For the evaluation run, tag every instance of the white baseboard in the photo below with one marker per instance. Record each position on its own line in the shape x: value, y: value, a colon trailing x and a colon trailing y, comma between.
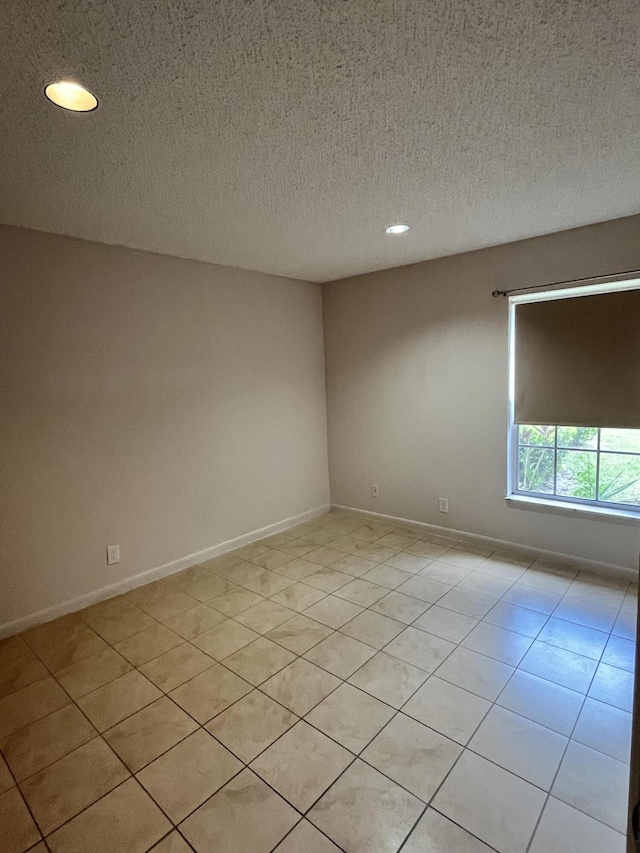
x: 496, y: 544
x: 105, y: 592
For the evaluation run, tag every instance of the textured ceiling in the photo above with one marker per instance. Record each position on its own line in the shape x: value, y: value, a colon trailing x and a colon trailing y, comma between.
x: 284, y: 135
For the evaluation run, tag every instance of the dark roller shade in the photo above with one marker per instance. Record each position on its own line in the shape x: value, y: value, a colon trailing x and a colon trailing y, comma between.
x: 577, y: 361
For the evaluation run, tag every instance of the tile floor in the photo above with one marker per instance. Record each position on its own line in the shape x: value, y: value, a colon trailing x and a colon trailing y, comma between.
x: 346, y: 685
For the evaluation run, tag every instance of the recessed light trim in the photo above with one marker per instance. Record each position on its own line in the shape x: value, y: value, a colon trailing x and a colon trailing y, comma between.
x: 397, y: 229
x: 71, y: 96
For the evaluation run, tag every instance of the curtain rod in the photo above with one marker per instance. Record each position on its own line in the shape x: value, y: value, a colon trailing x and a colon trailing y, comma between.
x: 554, y: 284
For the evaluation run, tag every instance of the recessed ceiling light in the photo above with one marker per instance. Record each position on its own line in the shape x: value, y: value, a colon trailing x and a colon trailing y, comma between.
x: 397, y: 229
x: 71, y: 96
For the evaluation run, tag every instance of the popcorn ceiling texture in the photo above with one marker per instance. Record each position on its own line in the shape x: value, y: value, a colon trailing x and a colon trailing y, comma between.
x: 284, y: 135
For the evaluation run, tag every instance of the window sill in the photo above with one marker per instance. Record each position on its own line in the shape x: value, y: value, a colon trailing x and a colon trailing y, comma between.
x: 593, y: 513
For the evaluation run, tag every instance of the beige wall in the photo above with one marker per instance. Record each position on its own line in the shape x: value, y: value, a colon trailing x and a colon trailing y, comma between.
x: 417, y: 388
x: 160, y: 404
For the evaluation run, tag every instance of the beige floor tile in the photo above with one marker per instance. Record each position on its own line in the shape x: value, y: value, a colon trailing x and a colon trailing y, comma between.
x: 564, y: 668
x: 387, y: 576
x: 423, y: 548
x: 306, y: 837
x: 474, y: 672
x: 117, y: 700
x: 243, y: 573
x: 207, y: 587
x: 300, y: 686
x: 574, y: 638
x: 324, y: 556
x: 173, y: 843
x: 425, y: 589
x: 93, y: 672
x: 298, y: 597
x: 148, y: 644
x: 585, y: 613
x: 126, y: 819
x: 397, y: 540
x: 625, y: 625
x: 492, y: 804
x: 533, y: 599
x: 259, y: 660
x: 265, y: 616
x: 467, y: 603
x: 388, y: 679
x: 188, y: 774
x: 436, y: 834
x: 176, y: 666
x: 49, y: 633
x: 373, y: 628
x: 463, y: 558
x: 621, y: 653
x: 144, y: 736
x: 374, y: 552
x: 558, y: 582
x: 198, y: 619
x: 595, y: 784
x: 445, y: 623
x: 277, y: 540
x: 563, y: 829
x: 595, y: 590
x: 29, y: 704
x: 444, y: 573
x: 251, y: 725
x: 270, y: 559
x: 253, y: 549
x: 517, y: 619
x: 505, y: 564
x: 302, y: 764
x: 269, y: 583
x: 12, y: 648
x: 210, y: 692
x: 412, y: 755
x: 340, y: 655
x: 6, y: 779
x: 606, y: 729
x: 364, y: 811
x: 420, y: 649
x: 521, y: 746
x: 65, y: 788
x: 19, y: 832
x: 448, y: 709
x: 485, y: 585
x: 80, y: 644
x: 113, y: 629
x: 361, y: 592
x: 45, y: 741
x: 20, y: 672
x: 542, y: 701
x: 351, y: 717
x: 333, y: 612
x: 298, y: 547
x: 407, y: 562
x: 225, y: 639
x: 169, y: 604
x: 613, y: 686
x: 188, y: 577
x: 299, y: 634
x: 328, y: 580
x: 107, y: 608
x: 246, y: 815
x: 498, y: 643
x: 400, y: 607
x: 353, y: 565
x: 231, y: 603
x: 298, y: 569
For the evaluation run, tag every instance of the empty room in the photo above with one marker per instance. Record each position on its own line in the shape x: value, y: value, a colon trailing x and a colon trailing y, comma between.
x: 319, y: 426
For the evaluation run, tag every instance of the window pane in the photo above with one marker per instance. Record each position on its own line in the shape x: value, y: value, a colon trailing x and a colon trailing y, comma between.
x: 619, y: 479
x: 620, y: 439
x: 578, y: 437
x: 538, y: 435
x: 535, y: 470
x: 576, y: 474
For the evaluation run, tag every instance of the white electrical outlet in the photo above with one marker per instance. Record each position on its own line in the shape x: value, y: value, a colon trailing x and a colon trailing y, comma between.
x: 375, y: 492
x: 443, y: 504
x: 113, y: 555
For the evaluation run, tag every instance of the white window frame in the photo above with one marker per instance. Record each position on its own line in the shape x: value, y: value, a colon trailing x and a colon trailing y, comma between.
x: 535, y: 500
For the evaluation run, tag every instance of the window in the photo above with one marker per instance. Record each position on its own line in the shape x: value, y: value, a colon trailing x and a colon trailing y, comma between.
x: 578, y: 464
